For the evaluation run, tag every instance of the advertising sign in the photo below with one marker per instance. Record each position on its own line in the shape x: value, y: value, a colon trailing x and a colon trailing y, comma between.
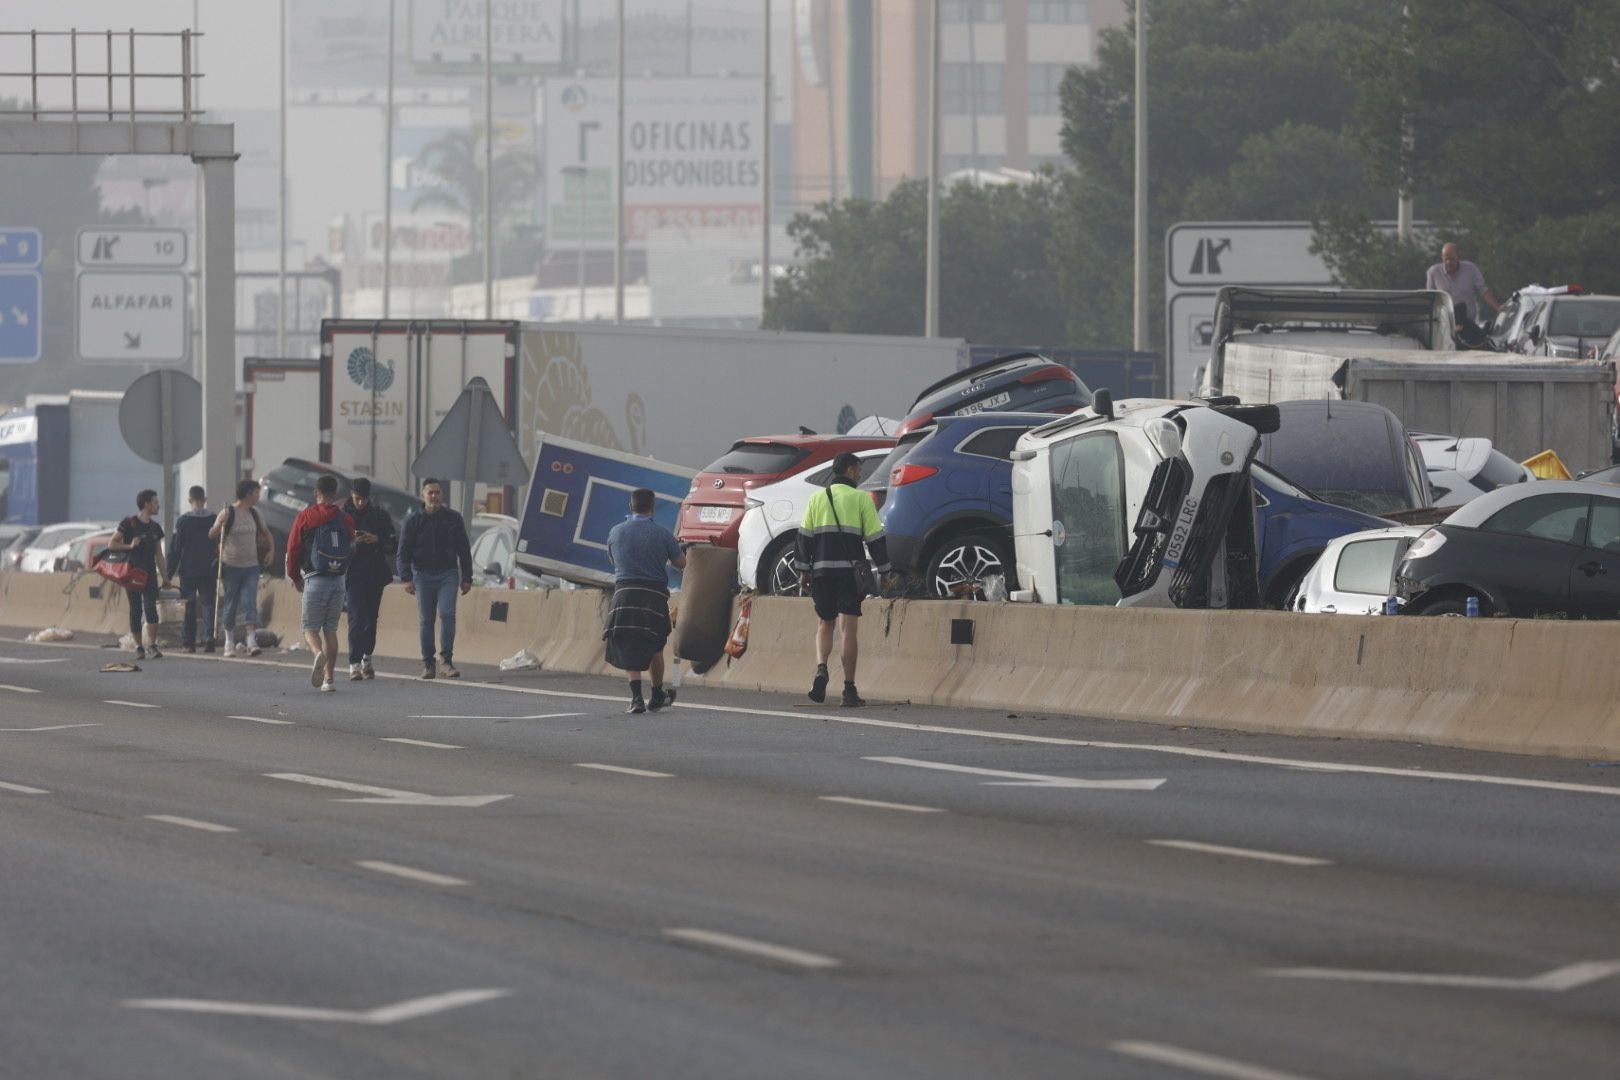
x: 692, y: 153
x: 448, y: 35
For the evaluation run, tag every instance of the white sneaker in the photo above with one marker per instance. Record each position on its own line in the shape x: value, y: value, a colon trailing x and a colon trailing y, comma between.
x: 327, y: 687
x: 366, y: 669
x: 253, y: 645
x: 355, y: 674
x: 240, y: 650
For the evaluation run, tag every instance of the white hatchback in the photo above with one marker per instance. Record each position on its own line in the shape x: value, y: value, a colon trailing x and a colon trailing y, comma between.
x: 1463, y: 469
x: 52, y: 543
x: 1355, y: 573
x: 770, y: 526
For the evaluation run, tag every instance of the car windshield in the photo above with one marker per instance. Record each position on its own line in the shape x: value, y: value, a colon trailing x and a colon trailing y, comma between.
x: 287, y: 476
x: 1584, y: 318
x: 757, y: 459
x: 878, y: 478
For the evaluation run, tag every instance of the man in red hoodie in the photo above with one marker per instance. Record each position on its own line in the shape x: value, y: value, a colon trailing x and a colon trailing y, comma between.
x: 319, y: 547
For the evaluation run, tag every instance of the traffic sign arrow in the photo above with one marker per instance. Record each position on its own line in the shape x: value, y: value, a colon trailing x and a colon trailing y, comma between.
x: 1018, y: 779
x: 388, y: 796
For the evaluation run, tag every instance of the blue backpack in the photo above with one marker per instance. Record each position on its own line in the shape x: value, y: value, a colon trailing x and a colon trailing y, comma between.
x: 331, y: 547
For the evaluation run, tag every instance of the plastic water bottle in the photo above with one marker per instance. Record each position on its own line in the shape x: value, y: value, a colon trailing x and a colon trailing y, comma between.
x: 1473, y: 607
x: 1392, y: 606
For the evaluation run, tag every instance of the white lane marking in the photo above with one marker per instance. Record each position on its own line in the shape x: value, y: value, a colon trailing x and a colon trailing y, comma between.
x: 260, y: 719
x: 52, y: 727
x: 34, y: 660
x: 1193, y: 1061
x: 189, y: 823
x: 129, y: 704
x: 782, y: 954
x: 413, y: 874
x: 19, y: 689
x: 22, y: 789
x: 878, y: 804
x: 969, y: 733
x: 1018, y: 779
x: 388, y: 796
x: 421, y: 742
x: 623, y: 769
x: 536, y: 716
x: 412, y: 1009
x: 1242, y: 853
x: 1568, y: 977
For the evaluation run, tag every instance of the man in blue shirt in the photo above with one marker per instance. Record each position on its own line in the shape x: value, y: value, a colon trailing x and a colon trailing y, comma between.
x: 638, y: 619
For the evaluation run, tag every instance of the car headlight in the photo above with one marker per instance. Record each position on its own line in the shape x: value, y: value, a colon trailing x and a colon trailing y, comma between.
x: 1426, y: 545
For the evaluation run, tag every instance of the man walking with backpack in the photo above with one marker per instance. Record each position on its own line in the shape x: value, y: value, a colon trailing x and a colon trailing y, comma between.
x: 433, y: 546
x: 319, y: 547
x: 195, y: 561
x: 245, y: 545
x: 840, y: 526
x: 369, y: 573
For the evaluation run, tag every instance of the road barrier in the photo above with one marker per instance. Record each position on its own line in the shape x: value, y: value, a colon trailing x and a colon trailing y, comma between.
x: 1535, y: 687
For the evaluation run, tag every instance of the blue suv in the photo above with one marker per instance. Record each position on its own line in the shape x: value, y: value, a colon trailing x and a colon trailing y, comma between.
x: 945, y: 496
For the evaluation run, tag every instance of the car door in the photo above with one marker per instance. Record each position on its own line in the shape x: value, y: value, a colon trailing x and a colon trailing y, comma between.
x: 1594, y: 583
x: 1363, y: 575
x: 1529, y: 549
x: 988, y: 453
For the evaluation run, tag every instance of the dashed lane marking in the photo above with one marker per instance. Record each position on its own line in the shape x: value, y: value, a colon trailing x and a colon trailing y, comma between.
x: 427, y: 877
x: 781, y: 954
x: 623, y: 769
x: 1242, y: 853
x: 1203, y: 1064
x: 878, y: 804
x: 261, y: 719
x: 19, y: 689
x: 421, y: 742
x: 129, y: 704
x: 190, y: 823
x: 50, y: 727
x: 22, y: 789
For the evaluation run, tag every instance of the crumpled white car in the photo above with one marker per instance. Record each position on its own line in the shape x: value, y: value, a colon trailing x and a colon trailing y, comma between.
x: 770, y: 527
x: 1355, y: 573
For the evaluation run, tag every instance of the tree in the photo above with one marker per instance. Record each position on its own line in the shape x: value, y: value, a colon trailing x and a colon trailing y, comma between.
x: 1251, y: 119
x: 861, y: 265
x: 456, y: 159
x: 1511, y: 106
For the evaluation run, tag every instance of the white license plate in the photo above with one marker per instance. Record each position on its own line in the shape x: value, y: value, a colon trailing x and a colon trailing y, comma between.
x: 714, y: 515
x: 990, y: 402
x: 289, y: 502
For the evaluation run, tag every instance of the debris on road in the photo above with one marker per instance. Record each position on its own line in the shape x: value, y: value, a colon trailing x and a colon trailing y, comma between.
x: 49, y: 634
x: 522, y: 660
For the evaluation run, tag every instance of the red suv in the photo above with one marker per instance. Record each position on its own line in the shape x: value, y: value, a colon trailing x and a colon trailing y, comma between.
x: 713, y: 510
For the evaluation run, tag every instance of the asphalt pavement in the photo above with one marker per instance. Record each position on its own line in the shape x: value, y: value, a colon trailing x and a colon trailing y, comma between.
x: 211, y: 870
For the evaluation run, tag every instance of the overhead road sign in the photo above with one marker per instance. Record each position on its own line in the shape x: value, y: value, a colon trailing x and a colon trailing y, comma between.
x: 19, y: 248
x: 19, y: 317
x: 132, y: 316
x: 157, y: 249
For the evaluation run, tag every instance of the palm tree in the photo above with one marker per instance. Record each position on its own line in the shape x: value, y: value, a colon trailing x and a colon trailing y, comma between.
x: 455, y: 158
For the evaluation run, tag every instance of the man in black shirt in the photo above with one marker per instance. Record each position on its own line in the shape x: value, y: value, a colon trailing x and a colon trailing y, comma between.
x: 141, y: 536
x: 432, y: 547
x: 370, y: 571
x: 195, y: 560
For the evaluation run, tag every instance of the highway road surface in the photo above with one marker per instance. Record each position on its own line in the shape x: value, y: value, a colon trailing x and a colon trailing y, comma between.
x: 209, y: 870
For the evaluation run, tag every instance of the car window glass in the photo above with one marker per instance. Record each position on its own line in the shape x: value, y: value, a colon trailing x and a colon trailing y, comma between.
x: 1610, y: 475
x: 1604, y: 530
x: 1584, y: 318
x: 1088, y: 507
x: 1365, y: 567
x: 869, y: 465
x: 482, y: 549
x: 995, y: 443
x: 1499, y: 470
x: 820, y: 477
x: 1559, y: 517
x: 878, y: 478
x: 1346, y: 456
x: 757, y: 459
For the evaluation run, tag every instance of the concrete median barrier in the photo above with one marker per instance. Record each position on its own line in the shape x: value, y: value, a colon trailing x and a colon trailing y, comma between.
x: 83, y: 603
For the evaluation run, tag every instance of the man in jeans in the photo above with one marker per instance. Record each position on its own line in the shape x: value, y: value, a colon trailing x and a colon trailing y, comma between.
x: 241, y: 535
x: 194, y: 559
x: 369, y: 573
x: 433, y: 547
x: 142, y: 536
x: 319, y: 547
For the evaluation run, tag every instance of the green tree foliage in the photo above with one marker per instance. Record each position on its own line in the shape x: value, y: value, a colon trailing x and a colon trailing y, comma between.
x: 456, y: 158
x: 1251, y: 118
x: 1513, y: 107
x: 861, y: 265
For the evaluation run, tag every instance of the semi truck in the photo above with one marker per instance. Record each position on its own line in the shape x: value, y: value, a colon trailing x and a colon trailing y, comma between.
x: 63, y: 458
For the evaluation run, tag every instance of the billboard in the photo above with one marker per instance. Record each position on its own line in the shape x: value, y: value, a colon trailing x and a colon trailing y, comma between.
x: 692, y: 156
x: 448, y: 35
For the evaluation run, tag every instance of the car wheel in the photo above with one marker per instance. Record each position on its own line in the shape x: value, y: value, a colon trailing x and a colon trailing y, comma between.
x: 968, y: 565
x: 781, y: 577
x: 1449, y: 606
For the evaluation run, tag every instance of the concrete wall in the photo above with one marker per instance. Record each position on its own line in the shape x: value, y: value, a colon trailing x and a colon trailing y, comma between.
x: 1538, y: 687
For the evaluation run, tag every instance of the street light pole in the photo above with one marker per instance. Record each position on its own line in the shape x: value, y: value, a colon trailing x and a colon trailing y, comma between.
x: 618, y: 179
x: 765, y: 179
x: 1139, y: 335
x: 489, y: 159
x: 931, y: 295
x: 388, y: 174
x: 281, y: 198
x: 577, y: 174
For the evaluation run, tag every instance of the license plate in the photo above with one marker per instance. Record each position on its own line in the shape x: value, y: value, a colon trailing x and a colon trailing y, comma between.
x: 290, y: 502
x: 714, y: 515
x: 990, y: 402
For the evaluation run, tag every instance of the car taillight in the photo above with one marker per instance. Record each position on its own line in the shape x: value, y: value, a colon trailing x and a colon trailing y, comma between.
x: 910, y: 474
x: 1426, y: 545
x: 1047, y: 374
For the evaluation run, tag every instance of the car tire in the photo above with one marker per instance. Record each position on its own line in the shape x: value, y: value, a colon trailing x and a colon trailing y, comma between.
x: 959, y: 569
x: 777, y: 575
x: 1449, y: 605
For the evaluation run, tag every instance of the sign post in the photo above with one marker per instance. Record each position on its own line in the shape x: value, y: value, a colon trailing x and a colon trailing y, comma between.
x: 161, y: 420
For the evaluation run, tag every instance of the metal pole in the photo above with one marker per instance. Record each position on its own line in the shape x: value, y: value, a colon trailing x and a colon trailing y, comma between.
x: 580, y: 181
x: 218, y: 300
x: 489, y: 159
x: 1140, y: 323
x: 281, y: 198
x: 388, y: 177
x: 931, y: 295
x: 765, y: 179
x: 618, y: 180
x: 166, y: 436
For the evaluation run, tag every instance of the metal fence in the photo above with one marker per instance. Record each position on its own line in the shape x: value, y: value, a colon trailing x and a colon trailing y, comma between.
x: 82, y: 76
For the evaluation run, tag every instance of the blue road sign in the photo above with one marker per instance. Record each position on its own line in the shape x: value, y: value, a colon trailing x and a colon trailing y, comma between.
x: 19, y: 248
x: 19, y: 318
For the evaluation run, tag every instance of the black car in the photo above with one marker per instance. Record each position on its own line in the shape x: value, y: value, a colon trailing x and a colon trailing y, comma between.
x: 290, y: 487
x: 1350, y: 453
x: 1019, y: 382
x: 1548, y: 548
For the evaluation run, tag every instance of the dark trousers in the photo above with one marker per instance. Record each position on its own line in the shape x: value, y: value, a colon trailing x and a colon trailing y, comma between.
x: 365, y: 600
x: 198, y: 593
x: 143, y: 600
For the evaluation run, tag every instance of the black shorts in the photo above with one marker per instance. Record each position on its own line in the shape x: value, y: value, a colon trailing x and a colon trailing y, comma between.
x: 835, y: 594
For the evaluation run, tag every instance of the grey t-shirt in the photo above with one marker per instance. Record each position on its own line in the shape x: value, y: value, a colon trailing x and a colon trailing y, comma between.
x: 1462, y: 287
x: 641, y: 549
x: 242, y: 540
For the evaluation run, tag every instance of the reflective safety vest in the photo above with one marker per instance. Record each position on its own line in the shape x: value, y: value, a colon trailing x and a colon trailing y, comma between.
x: 841, y: 525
